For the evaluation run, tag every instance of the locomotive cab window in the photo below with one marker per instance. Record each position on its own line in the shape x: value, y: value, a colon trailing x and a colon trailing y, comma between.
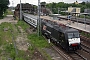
x: 73, y: 35
x: 76, y: 35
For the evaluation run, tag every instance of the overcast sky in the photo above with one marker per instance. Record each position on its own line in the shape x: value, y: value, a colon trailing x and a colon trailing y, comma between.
x: 35, y: 2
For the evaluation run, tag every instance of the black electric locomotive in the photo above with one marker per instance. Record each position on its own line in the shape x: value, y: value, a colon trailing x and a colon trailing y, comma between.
x: 66, y: 37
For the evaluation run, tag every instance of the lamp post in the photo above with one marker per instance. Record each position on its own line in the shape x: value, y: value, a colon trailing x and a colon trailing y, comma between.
x: 20, y: 11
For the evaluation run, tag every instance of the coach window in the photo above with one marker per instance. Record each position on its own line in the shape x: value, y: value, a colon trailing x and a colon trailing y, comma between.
x: 33, y: 21
x: 30, y: 19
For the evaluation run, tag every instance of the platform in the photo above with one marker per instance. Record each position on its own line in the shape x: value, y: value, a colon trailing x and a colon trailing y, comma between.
x: 80, y: 26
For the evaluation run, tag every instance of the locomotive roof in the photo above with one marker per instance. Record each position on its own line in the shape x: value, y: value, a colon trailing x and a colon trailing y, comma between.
x: 56, y: 25
x: 71, y: 29
x: 64, y: 29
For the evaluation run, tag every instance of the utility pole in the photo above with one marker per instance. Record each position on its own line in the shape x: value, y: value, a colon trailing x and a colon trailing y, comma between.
x: 20, y: 11
x: 39, y: 20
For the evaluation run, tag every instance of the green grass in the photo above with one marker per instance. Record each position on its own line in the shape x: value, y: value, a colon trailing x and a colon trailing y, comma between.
x: 5, y: 35
x: 6, y: 40
x: 39, y: 42
x: 86, y: 35
x: 23, y: 24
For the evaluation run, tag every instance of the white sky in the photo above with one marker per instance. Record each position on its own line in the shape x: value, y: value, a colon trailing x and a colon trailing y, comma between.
x: 35, y: 2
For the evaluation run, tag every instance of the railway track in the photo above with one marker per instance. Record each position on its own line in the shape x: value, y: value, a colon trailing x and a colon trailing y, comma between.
x: 68, y: 56
x: 85, y: 43
x: 77, y: 56
x: 61, y: 53
x: 80, y: 20
x: 85, y: 48
x: 83, y: 38
x: 65, y: 56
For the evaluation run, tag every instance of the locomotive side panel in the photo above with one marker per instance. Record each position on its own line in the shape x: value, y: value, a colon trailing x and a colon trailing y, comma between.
x: 63, y: 41
x: 55, y: 35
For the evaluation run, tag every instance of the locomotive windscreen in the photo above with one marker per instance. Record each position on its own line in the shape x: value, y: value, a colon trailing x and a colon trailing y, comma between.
x: 73, y: 35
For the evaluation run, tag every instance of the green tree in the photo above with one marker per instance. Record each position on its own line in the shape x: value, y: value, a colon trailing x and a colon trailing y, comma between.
x: 83, y: 3
x: 3, y: 6
x: 63, y: 6
x: 88, y: 4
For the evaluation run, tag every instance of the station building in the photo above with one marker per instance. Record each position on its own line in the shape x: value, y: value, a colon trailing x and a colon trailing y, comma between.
x: 75, y: 10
